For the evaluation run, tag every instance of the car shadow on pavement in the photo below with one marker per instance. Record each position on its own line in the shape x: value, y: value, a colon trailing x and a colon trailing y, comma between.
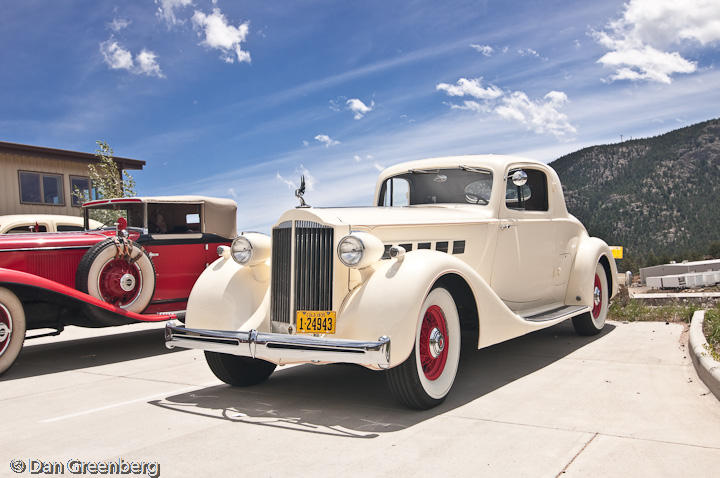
x: 352, y: 401
x: 62, y: 356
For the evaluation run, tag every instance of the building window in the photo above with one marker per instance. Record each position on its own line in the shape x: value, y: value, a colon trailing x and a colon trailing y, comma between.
x: 41, y: 188
x: 81, y: 190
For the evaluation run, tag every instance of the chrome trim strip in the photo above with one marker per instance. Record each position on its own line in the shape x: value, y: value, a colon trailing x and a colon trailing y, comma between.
x: 564, y: 312
x: 45, y: 248
x: 280, y: 348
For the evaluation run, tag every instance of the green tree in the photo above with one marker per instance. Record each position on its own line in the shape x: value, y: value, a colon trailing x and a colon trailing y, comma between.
x: 714, y: 249
x: 108, y: 182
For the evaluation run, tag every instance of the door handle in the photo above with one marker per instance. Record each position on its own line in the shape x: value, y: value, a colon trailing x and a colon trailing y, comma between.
x: 506, y: 225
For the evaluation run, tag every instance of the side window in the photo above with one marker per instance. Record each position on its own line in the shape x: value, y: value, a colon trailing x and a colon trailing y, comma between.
x: 168, y: 218
x: 396, y: 192
x: 532, y: 196
x: 69, y: 227
x: 27, y: 229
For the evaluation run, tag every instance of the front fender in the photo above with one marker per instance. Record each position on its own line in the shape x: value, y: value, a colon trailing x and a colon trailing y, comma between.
x: 591, y: 250
x: 228, y: 296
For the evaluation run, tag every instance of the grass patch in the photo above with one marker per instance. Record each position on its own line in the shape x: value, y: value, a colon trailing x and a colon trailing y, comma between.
x: 711, y: 327
x: 624, y: 309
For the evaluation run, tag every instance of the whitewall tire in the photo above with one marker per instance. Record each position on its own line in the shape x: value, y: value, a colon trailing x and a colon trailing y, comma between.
x: 591, y: 323
x: 426, y: 377
x: 12, y: 328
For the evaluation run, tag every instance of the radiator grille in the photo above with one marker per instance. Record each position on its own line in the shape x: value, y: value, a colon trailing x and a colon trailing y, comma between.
x: 313, y: 266
x: 281, y: 272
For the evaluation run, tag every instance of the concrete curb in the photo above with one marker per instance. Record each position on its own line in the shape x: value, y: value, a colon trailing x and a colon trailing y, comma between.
x: 708, y: 369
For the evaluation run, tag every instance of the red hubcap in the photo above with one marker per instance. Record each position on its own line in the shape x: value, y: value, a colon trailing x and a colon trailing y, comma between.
x: 5, y: 328
x: 433, y: 343
x: 597, y: 298
x: 119, y: 282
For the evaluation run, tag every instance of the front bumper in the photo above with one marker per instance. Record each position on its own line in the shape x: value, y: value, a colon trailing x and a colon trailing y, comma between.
x: 280, y: 348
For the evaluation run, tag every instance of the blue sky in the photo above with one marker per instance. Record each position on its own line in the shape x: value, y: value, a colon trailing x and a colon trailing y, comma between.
x: 237, y: 99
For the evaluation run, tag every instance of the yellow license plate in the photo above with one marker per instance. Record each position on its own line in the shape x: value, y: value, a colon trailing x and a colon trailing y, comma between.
x: 315, y: 321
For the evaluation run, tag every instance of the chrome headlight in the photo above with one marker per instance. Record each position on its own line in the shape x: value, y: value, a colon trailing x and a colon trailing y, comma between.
x: 251, y: 248
x: 351, y: 250
x: 241, y: 250
x: 360, y: 249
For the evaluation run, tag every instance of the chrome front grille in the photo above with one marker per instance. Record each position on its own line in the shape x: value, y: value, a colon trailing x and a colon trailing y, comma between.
x: 302, y: 269
x: 281, y: 272
x: 313, y: 266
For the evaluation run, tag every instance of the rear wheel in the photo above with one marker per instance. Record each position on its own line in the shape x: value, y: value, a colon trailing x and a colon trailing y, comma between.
x: 239, y: 371
x: 12, y: 328
x: 425, y: 378
x: 591, y: 323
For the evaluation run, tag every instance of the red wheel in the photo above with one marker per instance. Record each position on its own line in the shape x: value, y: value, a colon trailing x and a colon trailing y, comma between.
x: 433, y: 342
x: 12, y: 328
x: 591, y: 323
x: 127, y: 282
x: 425, y: 378
x: 120, y: 282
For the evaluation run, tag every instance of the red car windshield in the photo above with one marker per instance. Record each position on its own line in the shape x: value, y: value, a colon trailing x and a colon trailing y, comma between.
x: 108, y: 214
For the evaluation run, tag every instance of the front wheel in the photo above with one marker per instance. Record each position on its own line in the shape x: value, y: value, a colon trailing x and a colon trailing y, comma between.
x: 425, y: 378
x: 12, y: 328
x: 239, y: 371
x: 591, y: 323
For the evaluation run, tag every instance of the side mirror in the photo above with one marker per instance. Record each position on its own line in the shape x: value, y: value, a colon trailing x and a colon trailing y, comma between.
x: 519, y: 178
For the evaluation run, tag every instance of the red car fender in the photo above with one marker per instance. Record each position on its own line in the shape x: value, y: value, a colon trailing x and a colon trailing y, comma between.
x: 9, y: 277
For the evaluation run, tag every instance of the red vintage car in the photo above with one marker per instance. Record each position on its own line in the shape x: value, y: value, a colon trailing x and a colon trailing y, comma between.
x: 139, y: 266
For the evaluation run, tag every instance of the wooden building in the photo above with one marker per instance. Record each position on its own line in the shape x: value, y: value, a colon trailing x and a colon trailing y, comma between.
x: 38, y: 180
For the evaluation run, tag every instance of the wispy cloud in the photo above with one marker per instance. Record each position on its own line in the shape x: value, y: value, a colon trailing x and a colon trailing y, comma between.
x: 118, y: 24
x: 326, y: 140
x: 218, y: 34
x: 359, y: 108
x: 486, y: 50
x: 167, y: 8
x: 638, y: 41
x: 540, y: 116
x: 119, y: 58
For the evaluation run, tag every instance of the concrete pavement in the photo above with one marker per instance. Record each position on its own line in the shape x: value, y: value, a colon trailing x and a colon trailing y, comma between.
x: 625, y: 403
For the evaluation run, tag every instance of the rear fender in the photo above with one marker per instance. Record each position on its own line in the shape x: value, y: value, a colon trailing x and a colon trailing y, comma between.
x: 591, y: 250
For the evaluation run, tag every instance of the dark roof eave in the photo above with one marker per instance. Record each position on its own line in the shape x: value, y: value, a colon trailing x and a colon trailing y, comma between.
x: 124, y: 163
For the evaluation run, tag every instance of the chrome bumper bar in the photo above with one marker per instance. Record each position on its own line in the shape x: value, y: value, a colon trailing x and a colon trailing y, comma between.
x: 280, y: 348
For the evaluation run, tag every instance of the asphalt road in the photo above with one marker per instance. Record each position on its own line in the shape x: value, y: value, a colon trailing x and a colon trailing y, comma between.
x: 625, y: 403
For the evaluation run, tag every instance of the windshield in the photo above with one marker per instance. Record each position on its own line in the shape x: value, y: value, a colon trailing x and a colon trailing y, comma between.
x: 108, y: 214
x: 464, y: 185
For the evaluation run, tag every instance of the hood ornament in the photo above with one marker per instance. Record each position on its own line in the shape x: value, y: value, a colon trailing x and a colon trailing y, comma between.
x: 300, y: 191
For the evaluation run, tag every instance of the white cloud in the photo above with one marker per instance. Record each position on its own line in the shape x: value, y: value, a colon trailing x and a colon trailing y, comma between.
x: 541, y: 116
x: 357, y: 158
x: 378, y: 166
x: 359, y: 108
x: 486, y: 50
x: 167, y: 9
x: 118, y: 24
x: 326, y: 140
x: 220, y: 35
x: 472, y: 87
x: 147, y: 63
x: 528, y: 52
x: 306, y: 143
x: 118, y: 58
x: 639, y: 40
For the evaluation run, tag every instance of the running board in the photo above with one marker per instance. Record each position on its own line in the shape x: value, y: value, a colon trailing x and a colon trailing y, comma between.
x: 564, y: 312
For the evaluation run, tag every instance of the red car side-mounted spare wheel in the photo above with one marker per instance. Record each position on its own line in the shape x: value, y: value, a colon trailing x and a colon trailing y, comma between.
x: 119, y: 272
x: 12, y: 328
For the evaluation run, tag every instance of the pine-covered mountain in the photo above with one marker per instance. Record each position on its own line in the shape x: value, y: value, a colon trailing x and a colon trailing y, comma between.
x: 658, y: 197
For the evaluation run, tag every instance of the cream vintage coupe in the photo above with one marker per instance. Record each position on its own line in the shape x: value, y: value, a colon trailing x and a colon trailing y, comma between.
x: 479, y: 246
